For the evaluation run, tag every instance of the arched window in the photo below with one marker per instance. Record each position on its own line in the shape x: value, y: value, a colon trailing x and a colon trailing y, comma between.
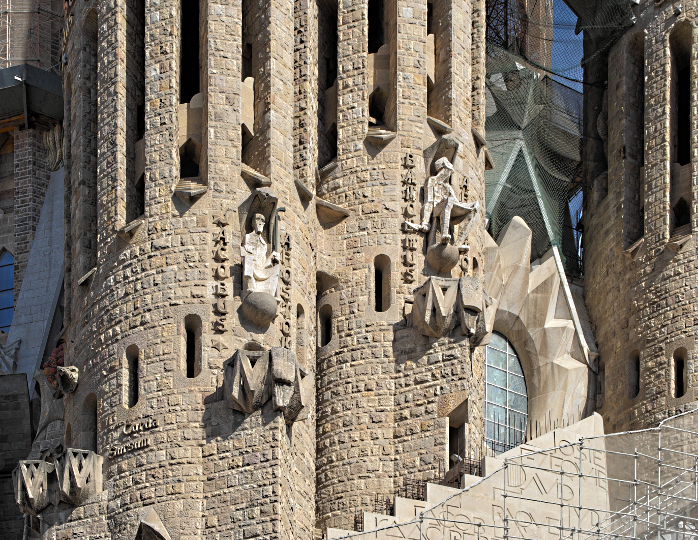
x: 7, y: 290
x: 506, y: 400
x: 132, y: 354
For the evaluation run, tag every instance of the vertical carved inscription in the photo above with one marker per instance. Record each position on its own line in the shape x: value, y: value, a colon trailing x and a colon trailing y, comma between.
x: 409, y: 197
x: 286, y: 283
x: 221, y: 272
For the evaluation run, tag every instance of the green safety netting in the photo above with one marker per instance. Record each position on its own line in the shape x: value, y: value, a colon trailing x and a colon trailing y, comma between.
x: 534, y: 89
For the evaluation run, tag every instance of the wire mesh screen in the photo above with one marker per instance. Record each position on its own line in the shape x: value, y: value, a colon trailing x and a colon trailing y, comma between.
x: 534, y: 84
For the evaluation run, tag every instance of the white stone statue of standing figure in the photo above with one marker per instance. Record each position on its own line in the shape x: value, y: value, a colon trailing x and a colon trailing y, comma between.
x: 260, y: 272
x: 441, y: 199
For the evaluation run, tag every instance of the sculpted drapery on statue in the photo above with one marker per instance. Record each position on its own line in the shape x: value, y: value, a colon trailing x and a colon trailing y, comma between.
x: 260, y: 271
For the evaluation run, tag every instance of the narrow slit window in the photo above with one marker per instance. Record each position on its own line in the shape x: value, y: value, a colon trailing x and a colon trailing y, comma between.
x: 325, y: 325
x: 635, y: 139
x: 89, y: 423
x: 375, y: 25
x: 634, y: 374
x: 192, y: 329
x: 189, y: 69
x: 382, y: 283
x: 680, y: 378
x: 680, y: 47
x: 132, y: 357
x: 135, y: 106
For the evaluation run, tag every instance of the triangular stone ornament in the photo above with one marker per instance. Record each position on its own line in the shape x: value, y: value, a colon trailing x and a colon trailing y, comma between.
x: 151, y: 527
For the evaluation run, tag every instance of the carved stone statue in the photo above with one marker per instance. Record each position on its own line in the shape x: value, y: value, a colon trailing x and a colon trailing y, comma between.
x: 442, y: 202
x: 260, y: 272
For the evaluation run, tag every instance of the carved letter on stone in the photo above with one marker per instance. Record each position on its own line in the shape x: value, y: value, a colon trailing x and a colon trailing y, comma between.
x: 252, y: 378
x: 440, y: 301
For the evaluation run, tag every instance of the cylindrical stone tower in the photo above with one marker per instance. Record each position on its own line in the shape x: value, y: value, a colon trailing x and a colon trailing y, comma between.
x: 640, y: 143
x: 271, y: 208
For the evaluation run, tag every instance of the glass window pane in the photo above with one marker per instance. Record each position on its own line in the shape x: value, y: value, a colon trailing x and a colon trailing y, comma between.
x: 7, y: 298
x: 495, y: 413
x: 506, y: 404
x: 518, y: 403
x: 496, y: 358
x: 6, y: 258
x: 7, y: 277
x: 6, y: 317
x: 517, y: 384
x: 498, y: 341
x: 496, y: 376
x: 515, y: 365
x: 496, y: 395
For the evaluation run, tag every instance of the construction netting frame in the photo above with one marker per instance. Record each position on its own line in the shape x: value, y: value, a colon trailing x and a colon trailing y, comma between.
x: 534, y: 125
x: 627, y: 486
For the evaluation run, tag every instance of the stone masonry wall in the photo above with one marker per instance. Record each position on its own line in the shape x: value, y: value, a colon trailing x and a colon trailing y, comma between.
x: 641, y: 297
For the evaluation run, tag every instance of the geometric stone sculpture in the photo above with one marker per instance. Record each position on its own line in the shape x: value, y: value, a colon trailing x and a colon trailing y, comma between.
x: 151, y: 526
x: 252, y: 378
x: 533, y: 306
x: 30, y: 482
x: 442, y: 302
x: 73, y: 477
x: 79, y: 475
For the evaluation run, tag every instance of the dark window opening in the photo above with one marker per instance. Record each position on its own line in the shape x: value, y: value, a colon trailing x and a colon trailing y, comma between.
x: 634, y: 374
x: 132, y: 361
x: 246, y: 137
x: 89, y: 423
x: 456, y: 444
x: 189, y: 156
x: 7, y: 290
x: 375, y: 25
x: 189, y: 69
x: 382, y: 283
x: 682, y: 213
x: 635, y: 140
x: 377, y: 102
x: 680, y: 90
x: 325, y: 325
x: 192, y: 328
x: 246, y: 60
x: 679, y: 372
x: 683, y: 149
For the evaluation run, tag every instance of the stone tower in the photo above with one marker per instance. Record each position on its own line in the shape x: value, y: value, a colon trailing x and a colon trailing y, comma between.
x: 273, y: 264
x: 639, y: 210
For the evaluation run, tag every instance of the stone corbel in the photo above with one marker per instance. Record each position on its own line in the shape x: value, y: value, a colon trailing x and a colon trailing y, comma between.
x: 68, y: 378
x: 30, y: 482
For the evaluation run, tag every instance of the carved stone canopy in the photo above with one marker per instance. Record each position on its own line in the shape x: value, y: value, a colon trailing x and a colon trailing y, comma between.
x: 441, y: 302
x: 252, y: 378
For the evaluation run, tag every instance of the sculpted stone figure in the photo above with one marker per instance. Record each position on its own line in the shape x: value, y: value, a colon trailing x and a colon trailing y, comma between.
x: 260, y: 272
x: 441, y: 201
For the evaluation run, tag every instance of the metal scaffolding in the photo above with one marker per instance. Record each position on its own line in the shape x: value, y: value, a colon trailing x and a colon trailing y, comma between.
x: 625, y: 486
x: 29, y: 33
